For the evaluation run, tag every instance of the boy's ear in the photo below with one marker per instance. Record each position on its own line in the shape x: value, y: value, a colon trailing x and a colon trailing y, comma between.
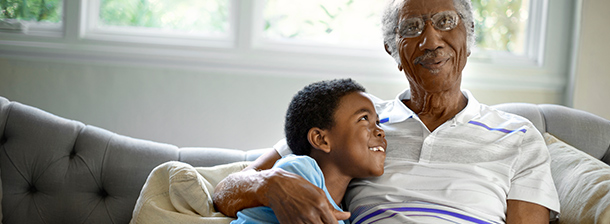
x: 318, y: 139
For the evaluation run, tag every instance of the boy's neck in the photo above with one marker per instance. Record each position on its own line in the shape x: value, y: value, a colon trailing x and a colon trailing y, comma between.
x: 336, y: 181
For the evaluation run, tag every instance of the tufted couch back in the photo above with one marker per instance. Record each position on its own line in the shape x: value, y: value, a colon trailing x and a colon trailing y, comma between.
x: 55, y: 170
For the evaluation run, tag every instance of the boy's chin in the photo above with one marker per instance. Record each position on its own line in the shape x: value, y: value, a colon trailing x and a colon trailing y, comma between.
x: 379, y: 171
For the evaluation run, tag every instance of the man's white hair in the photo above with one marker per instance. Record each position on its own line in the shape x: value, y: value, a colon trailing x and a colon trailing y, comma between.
x: 391, y: 14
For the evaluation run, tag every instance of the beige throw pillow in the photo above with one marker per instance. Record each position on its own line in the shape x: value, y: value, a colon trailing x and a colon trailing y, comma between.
x: 582, y: 181
x: 176, y: 192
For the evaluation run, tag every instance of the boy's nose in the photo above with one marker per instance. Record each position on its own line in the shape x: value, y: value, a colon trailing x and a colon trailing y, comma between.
x: 379, y: 132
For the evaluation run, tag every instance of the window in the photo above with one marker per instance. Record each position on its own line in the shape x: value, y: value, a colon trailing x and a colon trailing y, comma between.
x: 523, y: 41
x: 188, y: 16
x: 501, y: 25
x: 30, y: 16
x: 159, y: 22
x: 346, y: 23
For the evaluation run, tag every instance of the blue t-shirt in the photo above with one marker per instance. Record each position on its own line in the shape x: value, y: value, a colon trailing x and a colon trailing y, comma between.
x: 304, y: 166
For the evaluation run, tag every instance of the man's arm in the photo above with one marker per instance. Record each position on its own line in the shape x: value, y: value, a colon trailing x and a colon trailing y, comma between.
x: 292, y: 198
x: 525, y: 212
x: 241, y: 190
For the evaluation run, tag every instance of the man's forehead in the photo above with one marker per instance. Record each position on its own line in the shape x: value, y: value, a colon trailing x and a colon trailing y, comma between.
x: 423, y: 7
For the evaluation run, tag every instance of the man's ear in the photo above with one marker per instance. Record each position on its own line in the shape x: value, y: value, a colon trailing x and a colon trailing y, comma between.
x: 387, y: 49
x: 318, y: 139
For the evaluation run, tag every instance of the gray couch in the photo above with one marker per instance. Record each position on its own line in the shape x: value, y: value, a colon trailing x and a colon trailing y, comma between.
x: 55, y: 170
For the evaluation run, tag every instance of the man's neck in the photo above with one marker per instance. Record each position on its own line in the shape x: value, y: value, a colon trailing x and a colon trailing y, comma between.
x: 434, y: 109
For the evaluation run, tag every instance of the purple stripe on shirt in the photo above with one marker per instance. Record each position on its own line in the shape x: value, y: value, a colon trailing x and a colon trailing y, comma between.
x: 430, y: 210
x: 495, y: 129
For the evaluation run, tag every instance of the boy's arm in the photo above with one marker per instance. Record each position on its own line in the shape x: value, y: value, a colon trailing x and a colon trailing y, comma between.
x: 292, y: 198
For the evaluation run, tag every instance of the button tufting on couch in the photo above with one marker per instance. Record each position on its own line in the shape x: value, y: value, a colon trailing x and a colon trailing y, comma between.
x: 55, y: 170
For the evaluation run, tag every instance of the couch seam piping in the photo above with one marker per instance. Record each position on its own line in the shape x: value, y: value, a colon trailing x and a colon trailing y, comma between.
x: 541, y: 112
x: 8, y: 114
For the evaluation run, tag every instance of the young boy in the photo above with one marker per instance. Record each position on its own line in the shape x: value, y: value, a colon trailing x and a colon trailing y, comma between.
x: 333, y: 129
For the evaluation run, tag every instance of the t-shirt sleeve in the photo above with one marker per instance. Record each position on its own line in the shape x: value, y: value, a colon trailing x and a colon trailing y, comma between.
x: 282, y: 148
x: 532, y: 180
x: 303, y: 166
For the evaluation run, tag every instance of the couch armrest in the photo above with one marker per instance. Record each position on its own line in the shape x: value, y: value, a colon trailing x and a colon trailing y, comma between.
x: 583, y: 130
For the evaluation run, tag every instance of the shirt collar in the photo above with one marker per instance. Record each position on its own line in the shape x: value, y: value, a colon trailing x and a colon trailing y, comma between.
x: 394, y: 111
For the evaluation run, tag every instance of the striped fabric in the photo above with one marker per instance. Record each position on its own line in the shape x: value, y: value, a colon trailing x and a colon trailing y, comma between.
x: 463, y: 172
x: 414, y: 212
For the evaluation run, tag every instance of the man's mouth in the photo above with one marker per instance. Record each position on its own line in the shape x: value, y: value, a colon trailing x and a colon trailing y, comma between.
x: 434, y: 64
x: 433, y: 60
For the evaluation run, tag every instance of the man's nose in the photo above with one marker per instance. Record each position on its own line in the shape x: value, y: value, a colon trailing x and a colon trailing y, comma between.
x: 431, y: 38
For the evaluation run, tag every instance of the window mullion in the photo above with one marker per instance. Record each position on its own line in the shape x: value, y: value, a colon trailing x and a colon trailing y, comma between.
x: 244, y: 18
x: 535, y: 32
x: 73, y: 13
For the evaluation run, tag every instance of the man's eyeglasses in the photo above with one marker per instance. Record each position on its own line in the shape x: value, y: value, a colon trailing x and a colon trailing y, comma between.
x: 413, y: 27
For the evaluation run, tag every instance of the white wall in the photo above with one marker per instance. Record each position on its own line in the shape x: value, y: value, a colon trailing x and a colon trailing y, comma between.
x: 188, y: 107
x: 592, y: 81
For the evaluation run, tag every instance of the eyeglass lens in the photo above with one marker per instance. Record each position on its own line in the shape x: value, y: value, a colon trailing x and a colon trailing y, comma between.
x: 413, y: 27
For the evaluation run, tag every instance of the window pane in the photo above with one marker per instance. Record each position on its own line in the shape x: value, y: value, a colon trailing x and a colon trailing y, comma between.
x: 501, y: 25
x: 32, y: 10
x: 198, y: 16
x: 346, y: 22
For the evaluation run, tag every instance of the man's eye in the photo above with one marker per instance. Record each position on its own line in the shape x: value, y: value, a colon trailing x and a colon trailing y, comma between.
x: 412, y: 27
x: 445, y: 23
x: 445, y: 20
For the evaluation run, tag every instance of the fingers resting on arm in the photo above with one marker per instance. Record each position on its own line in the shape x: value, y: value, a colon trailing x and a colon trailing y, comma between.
x: 296, y: 200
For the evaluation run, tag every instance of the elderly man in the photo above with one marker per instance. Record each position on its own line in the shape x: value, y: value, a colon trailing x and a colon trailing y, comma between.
x: 449, y: 158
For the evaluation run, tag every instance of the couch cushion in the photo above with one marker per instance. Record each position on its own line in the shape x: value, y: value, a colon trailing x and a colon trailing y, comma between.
x: 582, y: 181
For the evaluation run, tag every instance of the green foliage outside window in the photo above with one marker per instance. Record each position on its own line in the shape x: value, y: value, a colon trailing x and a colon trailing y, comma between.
x: 500, y: 25
x: 354, y: 22
x: 32, y: 10
x: 209, y: 16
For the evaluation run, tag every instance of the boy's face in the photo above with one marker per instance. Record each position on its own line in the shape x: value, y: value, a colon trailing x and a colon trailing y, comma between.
x: 358, y: 143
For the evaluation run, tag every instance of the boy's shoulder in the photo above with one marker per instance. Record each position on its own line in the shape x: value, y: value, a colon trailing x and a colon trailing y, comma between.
x: 304, y: 166
x: 296, y: 162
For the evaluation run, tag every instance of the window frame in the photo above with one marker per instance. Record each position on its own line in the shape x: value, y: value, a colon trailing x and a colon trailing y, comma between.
x: 244, y: 50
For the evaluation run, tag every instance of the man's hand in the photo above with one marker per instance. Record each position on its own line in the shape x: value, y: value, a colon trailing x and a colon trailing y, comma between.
x: 292, y: 198
x: 296, y: 200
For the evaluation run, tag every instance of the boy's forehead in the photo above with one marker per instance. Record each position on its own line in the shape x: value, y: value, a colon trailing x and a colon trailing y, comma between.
x: 356, y: 102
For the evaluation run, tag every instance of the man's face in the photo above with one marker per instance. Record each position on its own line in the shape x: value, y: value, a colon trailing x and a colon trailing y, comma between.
x: 356, y: 137
x: 432, y: 61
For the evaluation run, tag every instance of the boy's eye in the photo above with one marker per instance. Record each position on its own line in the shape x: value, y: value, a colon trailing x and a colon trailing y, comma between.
x: 364, y: 118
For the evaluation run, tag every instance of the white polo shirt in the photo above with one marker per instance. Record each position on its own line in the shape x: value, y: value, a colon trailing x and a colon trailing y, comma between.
x: 463, y: 172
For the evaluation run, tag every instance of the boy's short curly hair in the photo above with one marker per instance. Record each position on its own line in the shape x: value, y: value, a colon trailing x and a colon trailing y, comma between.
x: 314, y: 106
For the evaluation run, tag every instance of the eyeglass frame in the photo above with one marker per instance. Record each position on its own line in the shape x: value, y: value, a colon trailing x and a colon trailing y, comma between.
x: 424, y: 18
